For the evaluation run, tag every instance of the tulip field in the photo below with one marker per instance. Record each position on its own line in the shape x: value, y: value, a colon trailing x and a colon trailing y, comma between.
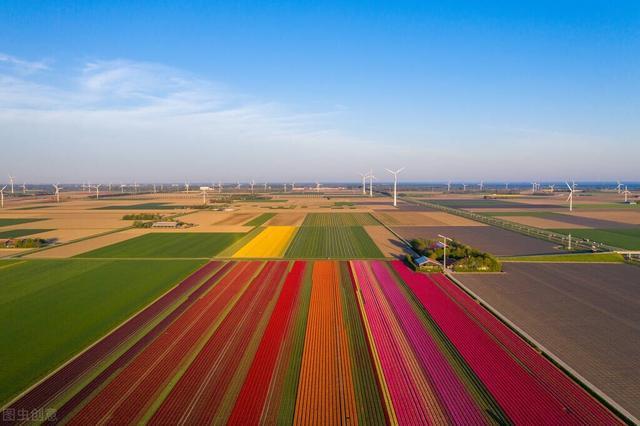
x: 313, y: 342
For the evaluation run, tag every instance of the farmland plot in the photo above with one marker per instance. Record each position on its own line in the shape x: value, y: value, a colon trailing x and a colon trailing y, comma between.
x: 168, y: 245
x: 341, y: 242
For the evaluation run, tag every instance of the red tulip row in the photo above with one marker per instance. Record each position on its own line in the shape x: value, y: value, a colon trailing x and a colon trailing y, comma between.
x: 255, y: 393
x: 209, y: 386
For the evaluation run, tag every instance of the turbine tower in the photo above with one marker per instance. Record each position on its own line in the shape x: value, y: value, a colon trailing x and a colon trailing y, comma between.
x: 57, y: 188
x: 2, y: 196
x: 364, y: 183
x: 570, y: 198
x: 395, y: 185
x: 371, y: 178
x: 11, y: 179
x: 619, y: 187
x: 187, y: 186
x: 97, y: 187
x: 449, y: 186
x: 626, y: 194
x: 252, y: 184
x: 481, y: 185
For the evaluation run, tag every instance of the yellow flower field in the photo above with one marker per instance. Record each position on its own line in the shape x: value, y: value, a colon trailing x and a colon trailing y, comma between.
x: 272, y: 242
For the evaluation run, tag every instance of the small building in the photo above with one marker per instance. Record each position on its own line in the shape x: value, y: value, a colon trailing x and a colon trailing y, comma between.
x: 165, y: 225
x: 420, y: 261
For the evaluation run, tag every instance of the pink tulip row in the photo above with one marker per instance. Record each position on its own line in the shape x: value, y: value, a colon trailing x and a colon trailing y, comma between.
x: 449, y: 388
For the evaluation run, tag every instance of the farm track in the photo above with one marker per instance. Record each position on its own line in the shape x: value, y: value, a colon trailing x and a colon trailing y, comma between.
x: 39, y: 396
x: 151, y: 369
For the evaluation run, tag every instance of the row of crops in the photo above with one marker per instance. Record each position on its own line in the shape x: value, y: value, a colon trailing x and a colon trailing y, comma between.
x: 323, y: 342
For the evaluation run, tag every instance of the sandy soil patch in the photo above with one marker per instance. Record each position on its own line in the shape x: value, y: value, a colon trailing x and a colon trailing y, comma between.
x: 66, y: 235
x: 287, y: 219
x: 206, y: 228
x: 425, y: 219
x: 389, y: 244
x: 84, y: 246
x: 236, y: 219
x: 622, y: 216
x: 541, y: 222
x: 10, y: 252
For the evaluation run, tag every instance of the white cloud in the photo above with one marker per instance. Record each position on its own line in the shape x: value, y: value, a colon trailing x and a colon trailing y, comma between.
x: 21, y: 65
x: 115, y: 119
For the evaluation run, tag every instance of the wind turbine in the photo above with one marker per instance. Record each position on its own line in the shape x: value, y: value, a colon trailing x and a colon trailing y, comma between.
x: 464, y: 187
x: 293, y: 186
x: 619, y: 187
x: 204, y: 197
x: 219, y: 186
x: 2, y: 196
x: 57, y: 188
x: 122, y: 187
x: 449, y: 186
x: 265, y: 187
x: 481, y: 185
x: 626, y: 194
x: 371, y: 178
x: 24, y: 187
x: 252, y: 184
x: 570, y: 198
x: 154, y: 188
x: 187, y: 186
x: 109, y: 186
x: 364, y: 183
x: 533, y: 186
x: 318, y: 186
x: 136, y: 185
x: 552, y: 187
x: 285, y: 187
x: 238, y: 185
x: 395, y: 185
x: 97, y: 187
x: 11, y: 179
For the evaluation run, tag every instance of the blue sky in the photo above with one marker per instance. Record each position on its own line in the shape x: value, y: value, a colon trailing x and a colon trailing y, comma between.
x: 463, y: 90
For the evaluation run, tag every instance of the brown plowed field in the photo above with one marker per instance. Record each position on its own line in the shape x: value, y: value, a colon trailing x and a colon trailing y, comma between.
x: 487, y: 238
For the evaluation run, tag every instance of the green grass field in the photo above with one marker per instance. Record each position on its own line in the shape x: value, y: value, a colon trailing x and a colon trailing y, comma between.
x: 337, y: 242
x: 52, y: 309
x: 168, y: 245
x: 577, y: 257
x: 626, y: 238
x: 339, y: 219
x: 16, y: 233
x: 260, y: 219
x: 9, y: 221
